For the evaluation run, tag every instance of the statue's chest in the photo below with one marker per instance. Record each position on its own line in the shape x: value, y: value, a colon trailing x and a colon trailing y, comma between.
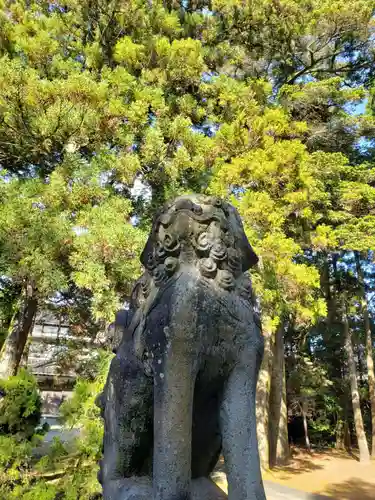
x: 210, y: 325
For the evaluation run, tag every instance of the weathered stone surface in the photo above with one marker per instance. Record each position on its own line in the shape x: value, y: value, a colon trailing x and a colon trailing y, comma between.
x: 181, y: 387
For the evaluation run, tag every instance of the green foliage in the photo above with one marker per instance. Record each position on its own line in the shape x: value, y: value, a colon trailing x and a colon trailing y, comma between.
x: 20, y: 405
x: 16, y: 464
x: 253, y: 101
x: 81, y: 463
x: 68, y: 471
x: 86, y: 109
x: 20, y: 411
x: 306, y: 379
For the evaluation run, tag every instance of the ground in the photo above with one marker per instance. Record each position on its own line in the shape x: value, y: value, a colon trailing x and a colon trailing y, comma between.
x: 308, y: 476
x: 330, y: 473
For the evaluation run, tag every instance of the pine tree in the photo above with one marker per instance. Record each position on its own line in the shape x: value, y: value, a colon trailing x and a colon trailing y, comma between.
x: 250, y: 101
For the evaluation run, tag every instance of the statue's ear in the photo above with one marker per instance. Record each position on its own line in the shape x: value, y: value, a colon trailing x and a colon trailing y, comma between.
x: 249, y: 257
x: 148, y: 249
x: 152, y: 239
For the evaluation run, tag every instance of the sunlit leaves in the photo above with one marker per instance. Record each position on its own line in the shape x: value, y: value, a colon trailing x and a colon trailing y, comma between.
x: 129, y: 53
x: 246, y: 102
x: 34, y: 240
x: 105, y: 256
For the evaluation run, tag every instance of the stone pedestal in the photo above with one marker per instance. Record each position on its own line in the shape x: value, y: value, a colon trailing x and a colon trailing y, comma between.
x: 140, y: 488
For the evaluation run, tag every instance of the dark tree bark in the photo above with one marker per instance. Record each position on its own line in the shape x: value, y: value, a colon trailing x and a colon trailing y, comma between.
x: 14, y: 344
x: 325, y: 285
x: 340, y: 444
x: 343, y: 439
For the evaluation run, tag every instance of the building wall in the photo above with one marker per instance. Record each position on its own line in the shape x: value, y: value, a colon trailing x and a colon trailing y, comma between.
x: 50, y: 338
x: 47, y: 343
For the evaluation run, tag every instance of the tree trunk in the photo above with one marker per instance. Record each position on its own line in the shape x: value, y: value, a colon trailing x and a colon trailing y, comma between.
x: 278, y: 418
x: 369, y: 348
x: 364, y: 455
x: 347, y: 436
x: 328, y: 290
x: 14, y: 344
x: 340, y: 436
x: 26, y: 350
x: 8, y: 313
x: 262, y: 401
x: 304, y: 409
x: 4, y: 328
x: 343, y: 439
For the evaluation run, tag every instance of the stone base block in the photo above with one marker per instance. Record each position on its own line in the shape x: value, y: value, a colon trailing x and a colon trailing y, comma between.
x: 140, y: 488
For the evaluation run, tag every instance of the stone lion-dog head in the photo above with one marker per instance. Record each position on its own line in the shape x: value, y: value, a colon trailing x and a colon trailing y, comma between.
x: 200, y: 231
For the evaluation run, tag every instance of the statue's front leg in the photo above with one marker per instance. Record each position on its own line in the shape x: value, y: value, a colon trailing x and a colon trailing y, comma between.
x: 171, y: 334
x: 238, y: 425
x: 173, y: 405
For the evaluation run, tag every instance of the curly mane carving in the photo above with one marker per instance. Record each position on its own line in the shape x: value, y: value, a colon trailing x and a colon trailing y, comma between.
x: 199, y: 231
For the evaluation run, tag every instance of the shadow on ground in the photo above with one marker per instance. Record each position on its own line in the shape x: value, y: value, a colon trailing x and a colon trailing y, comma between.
x: 298, y: 467
x: 353, y: 489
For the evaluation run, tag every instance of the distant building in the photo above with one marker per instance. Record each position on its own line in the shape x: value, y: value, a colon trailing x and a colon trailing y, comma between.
x: 48, y: 342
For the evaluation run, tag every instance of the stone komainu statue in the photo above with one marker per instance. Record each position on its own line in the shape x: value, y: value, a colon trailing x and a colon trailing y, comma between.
x: 181, y: 388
